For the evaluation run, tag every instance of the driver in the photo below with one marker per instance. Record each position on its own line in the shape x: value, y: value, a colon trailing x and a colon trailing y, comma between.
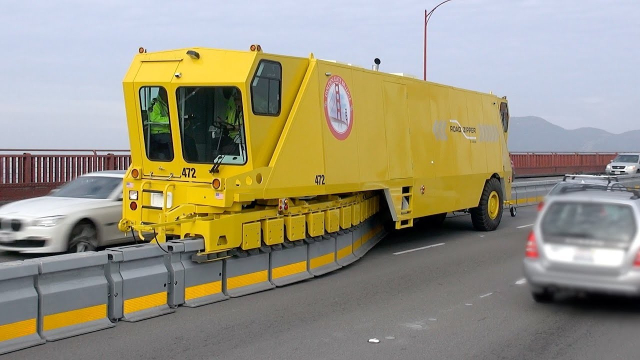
x: 230, y: 125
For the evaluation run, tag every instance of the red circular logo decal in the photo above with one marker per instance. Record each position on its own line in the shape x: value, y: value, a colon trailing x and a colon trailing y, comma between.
x: 338, y: 107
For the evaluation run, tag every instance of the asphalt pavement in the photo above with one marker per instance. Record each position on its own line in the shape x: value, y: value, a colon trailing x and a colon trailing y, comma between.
x: 449, y: 293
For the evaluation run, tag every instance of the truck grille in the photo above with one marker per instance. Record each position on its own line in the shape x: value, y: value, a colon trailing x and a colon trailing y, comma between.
x: 619, y: 167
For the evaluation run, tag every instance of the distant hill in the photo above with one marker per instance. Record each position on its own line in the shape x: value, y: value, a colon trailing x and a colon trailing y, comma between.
x: 531, y: 133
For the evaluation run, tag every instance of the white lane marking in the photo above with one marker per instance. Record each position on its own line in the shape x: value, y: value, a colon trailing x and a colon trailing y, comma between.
x: 468, y: 304
x: 521, y: 281
x: 485, y: 295
x: 417, y: 249
x: 524, y: 226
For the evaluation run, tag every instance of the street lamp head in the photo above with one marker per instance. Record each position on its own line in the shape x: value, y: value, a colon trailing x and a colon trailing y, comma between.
x: 376, y: 65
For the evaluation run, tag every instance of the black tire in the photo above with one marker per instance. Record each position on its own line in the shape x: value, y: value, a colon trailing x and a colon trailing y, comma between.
x: 84, y: 237
x: 542, y: 297
x: 480, y: 216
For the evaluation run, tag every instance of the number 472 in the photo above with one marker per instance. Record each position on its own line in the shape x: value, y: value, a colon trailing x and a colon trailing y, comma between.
x: 319, y: 179
x: 189, y: 172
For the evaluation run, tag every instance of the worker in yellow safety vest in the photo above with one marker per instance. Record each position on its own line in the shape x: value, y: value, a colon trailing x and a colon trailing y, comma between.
x: 161, y: 147
x: 231, y: 124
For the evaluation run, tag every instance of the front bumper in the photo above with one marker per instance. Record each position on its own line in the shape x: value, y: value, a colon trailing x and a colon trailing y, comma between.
x: 35, y: 240
x: 620, y: 171
x: 539, y: 277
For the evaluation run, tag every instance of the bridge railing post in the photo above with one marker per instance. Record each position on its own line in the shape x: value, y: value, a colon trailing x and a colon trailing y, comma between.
x: 27, y: 168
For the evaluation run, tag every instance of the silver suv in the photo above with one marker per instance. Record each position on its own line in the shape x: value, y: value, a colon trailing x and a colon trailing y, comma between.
x: 628, y: 163
x: 585, y: 239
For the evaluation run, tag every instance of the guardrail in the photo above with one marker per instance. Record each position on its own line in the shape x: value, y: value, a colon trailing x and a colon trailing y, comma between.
x: 26, y: 173
x: 536, y: 164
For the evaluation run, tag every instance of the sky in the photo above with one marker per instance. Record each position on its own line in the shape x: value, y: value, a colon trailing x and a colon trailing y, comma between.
x: 575, y: 63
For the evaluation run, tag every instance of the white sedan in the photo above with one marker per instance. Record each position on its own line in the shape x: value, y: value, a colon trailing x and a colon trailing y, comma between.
x: 81, y: 216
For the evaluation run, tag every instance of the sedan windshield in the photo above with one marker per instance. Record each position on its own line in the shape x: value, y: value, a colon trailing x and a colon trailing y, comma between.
x: 89, y: 187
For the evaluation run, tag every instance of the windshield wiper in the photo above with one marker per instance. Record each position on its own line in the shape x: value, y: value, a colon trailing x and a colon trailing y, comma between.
x: 216, y: 164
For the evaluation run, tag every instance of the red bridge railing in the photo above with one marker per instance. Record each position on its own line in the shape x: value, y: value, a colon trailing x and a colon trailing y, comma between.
x: 558, y: 163
x: 26, y: 173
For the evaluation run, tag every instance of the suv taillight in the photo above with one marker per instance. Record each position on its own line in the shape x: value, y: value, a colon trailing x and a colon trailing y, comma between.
x: 531, y: 250
x: 636, y: 262
x: 540, y: 205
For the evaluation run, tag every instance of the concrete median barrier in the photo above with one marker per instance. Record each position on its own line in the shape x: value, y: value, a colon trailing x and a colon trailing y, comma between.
x: 73, y: 294
x: 18, y: 306
x: 139, y: 282
x: 289, y: 265
x: 322, y: 255
x: 203, y: 283
x: 344, y: 247
x: 247, y: 275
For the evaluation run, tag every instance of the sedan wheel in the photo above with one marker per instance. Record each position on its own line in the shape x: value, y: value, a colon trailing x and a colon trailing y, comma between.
x: 83, y: 238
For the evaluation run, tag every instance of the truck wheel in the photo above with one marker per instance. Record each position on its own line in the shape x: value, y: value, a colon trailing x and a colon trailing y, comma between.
x: 83, y: 238
x: 487, y: 216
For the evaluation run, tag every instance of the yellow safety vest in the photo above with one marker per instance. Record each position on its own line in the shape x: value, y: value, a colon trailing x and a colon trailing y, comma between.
x: 159, y: 117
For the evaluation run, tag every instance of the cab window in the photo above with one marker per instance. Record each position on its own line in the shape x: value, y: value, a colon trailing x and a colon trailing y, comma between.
x: 504, y: 116
x: 155, y: 123
x: 211, y: 123
x: 266, y: 89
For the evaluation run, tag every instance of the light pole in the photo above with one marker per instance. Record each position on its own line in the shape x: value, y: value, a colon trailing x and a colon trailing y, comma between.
x: 427, y: 16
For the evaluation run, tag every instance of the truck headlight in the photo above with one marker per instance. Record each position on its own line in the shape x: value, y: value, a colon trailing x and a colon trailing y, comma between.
x: 47, y: 221
x: 631, y: 167
x: 608, y: 166
x: 133, y: 195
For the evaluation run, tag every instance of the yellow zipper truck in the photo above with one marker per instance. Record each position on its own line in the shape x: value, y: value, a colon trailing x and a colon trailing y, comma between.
x: 253, y: 152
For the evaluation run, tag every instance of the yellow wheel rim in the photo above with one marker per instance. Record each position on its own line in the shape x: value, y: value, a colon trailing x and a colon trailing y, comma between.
x: 494, y: 205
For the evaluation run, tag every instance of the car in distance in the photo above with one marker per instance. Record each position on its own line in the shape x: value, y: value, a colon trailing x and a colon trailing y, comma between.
x: 80, y: 216
x: 627, y: 163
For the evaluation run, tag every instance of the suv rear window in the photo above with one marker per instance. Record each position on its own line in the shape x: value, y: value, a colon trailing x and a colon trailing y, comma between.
x: 589, y: 224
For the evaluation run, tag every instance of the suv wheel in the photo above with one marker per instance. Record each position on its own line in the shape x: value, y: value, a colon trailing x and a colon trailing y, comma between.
x: 545, y: 296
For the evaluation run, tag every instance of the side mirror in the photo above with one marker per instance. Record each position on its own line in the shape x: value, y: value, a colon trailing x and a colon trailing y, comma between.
x: 610, y: 161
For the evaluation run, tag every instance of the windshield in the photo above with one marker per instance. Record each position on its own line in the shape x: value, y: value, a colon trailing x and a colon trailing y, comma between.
x: 607, y: 224
x: 626, y: 158
x: 211, y: 123
x: 89, y: 187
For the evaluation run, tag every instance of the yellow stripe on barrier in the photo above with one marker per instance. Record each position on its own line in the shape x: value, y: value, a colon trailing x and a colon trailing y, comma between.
x: 529, y: 200
x: 248, y: 279
x: 145, y: 302
x: 290, y: 269
x: 372, y: 233
x: 74, y: 317
x: 322, y: 260
x: 345, y: 251
x: 357, y: 244
x: 198, y: 291
x: 17, y: 329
